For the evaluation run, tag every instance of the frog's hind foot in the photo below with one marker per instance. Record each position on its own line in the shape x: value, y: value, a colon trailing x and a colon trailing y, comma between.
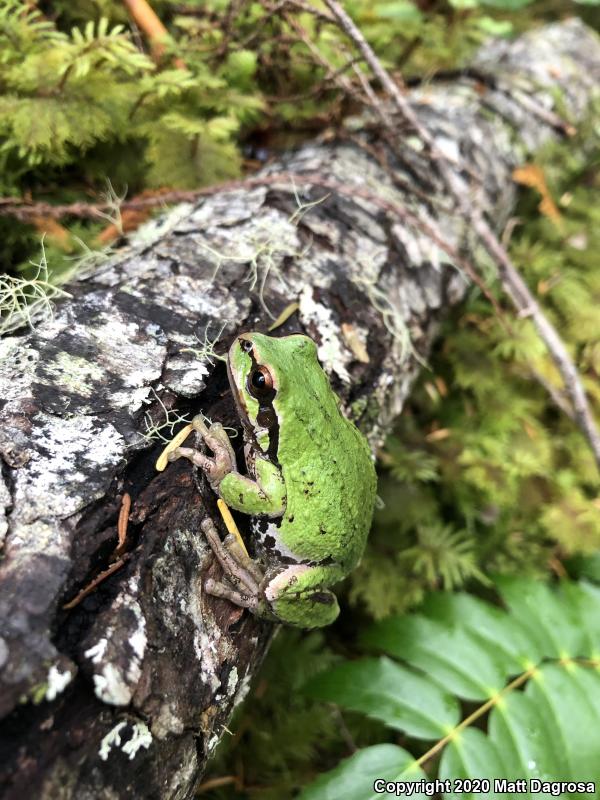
x: 218, y: 589
x: 240, y: 570
x: 240, y: 555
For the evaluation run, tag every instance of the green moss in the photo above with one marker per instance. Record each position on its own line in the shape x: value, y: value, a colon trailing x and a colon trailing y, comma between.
x: 37, y: 694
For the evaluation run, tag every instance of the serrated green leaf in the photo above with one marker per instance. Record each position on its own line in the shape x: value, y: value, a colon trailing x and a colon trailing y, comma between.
x: 354, y: 777
x: 526, y: 748
x: 505, y: 641
x: 451, y: 656
x: 392, y: 693
x: 571, y: 698
x: 546, y: 725
x: 546, y: 620
x: 471, y: 754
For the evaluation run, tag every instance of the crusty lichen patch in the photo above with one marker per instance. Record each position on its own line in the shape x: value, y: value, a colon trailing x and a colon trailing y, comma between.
x: 57, y: 682
x: 74, y: 373
x: 115, y: 659
x: 71, y: 463
x: 140, y: 737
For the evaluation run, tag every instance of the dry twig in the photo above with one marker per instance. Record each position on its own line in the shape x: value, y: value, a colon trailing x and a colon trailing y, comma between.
x: 512, y: 281
x: 118, y: 557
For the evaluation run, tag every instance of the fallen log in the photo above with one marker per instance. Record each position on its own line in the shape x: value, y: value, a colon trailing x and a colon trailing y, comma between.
x: 126, y: 691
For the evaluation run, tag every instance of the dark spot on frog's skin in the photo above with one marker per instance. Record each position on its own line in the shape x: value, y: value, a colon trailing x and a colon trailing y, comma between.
x: 325, y: 598
x: 322, y: 530
x: 290, y: 560
x: 310, y: 483
x: 326, y: 562
x: 241, y: 498
x: 269, y: 542
x: 291, y: 519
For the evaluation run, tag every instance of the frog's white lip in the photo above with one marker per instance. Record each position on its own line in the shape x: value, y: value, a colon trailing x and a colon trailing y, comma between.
x: 237, y: 399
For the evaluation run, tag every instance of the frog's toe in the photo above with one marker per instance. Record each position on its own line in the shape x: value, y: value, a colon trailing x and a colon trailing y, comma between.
x: 218, y: 589
x: 238, y: 551
x: 198, y: 459
x: 200, y: 425
x: 235, y: 571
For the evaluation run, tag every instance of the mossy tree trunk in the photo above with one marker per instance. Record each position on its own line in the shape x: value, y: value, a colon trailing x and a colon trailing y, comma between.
x: 127, y: 694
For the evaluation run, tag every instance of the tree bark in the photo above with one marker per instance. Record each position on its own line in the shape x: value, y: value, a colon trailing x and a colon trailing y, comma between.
x: 127, y: 694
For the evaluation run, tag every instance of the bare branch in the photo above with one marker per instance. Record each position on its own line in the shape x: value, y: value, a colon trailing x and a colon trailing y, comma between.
x: 512, y: 281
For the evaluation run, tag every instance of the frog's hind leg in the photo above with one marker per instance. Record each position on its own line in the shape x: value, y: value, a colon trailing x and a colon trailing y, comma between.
x: 297, y: 596
x: 294, y: 596
x: 238, y: 567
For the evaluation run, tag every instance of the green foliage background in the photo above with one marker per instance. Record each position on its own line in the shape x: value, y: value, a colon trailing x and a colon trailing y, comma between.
x: 483, y: 475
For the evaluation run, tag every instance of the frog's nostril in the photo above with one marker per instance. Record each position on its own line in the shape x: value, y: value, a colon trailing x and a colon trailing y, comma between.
x: 246, y: 345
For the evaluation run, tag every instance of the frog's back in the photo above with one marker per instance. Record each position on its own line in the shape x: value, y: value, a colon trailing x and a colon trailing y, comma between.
x: 330, y: 479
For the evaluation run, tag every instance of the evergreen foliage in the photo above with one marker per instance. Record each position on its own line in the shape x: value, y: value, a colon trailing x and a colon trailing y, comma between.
x: 84, y: 98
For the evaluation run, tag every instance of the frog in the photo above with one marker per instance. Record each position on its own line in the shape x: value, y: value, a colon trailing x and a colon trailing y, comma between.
x: 309, y: 486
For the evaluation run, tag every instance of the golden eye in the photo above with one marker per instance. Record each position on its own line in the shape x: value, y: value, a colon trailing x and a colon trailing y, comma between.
x: 260, y: 383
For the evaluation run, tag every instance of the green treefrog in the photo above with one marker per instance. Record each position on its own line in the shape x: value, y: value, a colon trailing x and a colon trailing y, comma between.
x: 310, y: 483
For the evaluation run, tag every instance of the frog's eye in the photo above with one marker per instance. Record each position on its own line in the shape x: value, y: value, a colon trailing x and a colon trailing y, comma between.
x: 260, y: 383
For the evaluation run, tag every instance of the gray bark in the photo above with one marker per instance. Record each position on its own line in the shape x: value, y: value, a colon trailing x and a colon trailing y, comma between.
x: 127, y: 694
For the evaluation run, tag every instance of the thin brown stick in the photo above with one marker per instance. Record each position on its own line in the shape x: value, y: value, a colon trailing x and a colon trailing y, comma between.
x: 331, y: 71
x: 122, y: 525
x: 373, y: 99
x: 317, y: 89
x: 216, y: 783
x: 479, y: 712
x: 118, y: 557
x: 92, y: 585
x: 318, y: 13
x: 511, y: 280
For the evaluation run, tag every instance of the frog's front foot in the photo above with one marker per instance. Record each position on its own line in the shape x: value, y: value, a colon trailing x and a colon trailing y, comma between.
x: 244, y: 575
x: 216, y: 438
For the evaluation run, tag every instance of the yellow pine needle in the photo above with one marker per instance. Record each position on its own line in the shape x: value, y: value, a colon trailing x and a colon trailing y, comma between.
x: 230, y: 523
x: 163, y: 459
